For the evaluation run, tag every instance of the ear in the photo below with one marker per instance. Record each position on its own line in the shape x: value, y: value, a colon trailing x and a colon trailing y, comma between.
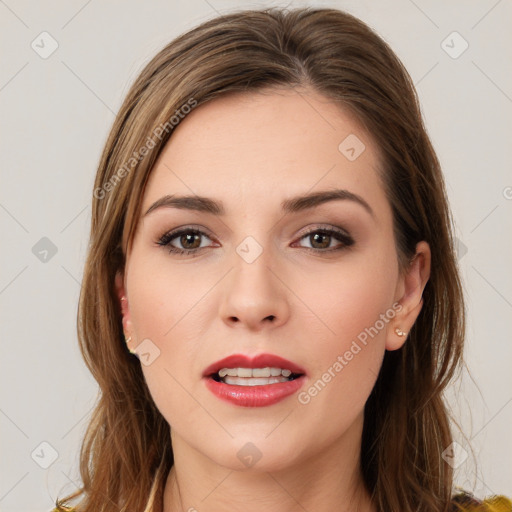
x: 123, y: 302
x: 409, y: 294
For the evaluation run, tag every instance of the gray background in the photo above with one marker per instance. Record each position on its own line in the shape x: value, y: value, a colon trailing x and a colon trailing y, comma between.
x: 56, y: 113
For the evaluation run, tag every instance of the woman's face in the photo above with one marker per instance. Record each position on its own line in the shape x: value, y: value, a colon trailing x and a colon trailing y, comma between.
x: 264, y: 279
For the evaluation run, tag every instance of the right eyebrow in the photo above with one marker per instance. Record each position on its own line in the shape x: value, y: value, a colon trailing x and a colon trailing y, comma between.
x: 195, y: 203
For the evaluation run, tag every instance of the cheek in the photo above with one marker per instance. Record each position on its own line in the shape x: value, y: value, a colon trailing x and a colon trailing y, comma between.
x: 350, y: 296
x: 355, y: 304
x: 165, y: 299
x: 168, y: 317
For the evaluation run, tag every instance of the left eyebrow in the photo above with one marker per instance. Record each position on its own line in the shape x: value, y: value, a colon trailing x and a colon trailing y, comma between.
x: 308, y: 201
x: 292, y: 205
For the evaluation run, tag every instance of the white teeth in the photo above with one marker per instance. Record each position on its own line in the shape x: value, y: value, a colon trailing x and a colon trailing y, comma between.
x: 261, y: 381
x: 261, y: 372
x: 254, y: 376
x: 244, y: 372
x: 233, y: 372
x: 254, y: 372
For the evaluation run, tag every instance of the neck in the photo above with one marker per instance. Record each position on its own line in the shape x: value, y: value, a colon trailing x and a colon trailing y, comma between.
x: 325, y: 481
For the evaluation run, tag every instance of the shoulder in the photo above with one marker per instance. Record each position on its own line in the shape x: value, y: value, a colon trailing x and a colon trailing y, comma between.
x: 466, y: 502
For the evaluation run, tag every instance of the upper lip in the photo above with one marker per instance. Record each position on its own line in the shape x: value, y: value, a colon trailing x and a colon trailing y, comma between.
x: 259, y: 361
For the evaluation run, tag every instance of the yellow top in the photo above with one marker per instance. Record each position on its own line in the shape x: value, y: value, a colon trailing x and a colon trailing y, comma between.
x: 463, y: 502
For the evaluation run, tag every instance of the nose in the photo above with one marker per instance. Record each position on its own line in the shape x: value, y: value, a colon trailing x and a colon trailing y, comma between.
x: 254, y: 296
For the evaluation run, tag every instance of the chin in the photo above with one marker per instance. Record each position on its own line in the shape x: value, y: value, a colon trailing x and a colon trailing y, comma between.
x: 257, y: 454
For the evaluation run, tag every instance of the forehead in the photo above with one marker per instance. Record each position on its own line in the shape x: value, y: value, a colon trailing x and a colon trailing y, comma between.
x: 254, y: 149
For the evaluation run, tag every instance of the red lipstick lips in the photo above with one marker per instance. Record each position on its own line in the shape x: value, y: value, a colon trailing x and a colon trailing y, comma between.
x: 254, y: 395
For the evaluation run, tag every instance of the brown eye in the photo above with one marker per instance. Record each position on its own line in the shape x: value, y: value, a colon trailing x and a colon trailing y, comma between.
x: 189, y: 239
x: 321, y: 239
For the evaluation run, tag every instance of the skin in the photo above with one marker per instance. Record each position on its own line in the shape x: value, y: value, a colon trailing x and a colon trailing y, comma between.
x: 251, y: 151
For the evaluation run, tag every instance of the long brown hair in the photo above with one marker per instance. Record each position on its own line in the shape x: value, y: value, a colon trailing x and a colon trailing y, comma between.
x: 126, y: 453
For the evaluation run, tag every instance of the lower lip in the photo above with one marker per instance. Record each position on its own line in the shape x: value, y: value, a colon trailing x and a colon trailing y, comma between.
x: 254, y: 396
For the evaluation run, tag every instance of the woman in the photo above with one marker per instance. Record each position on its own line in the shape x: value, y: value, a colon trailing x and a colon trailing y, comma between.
x: 271, y: 302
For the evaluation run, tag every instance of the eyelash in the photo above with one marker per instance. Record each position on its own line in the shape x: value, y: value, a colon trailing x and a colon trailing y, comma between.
x: 339, y: 235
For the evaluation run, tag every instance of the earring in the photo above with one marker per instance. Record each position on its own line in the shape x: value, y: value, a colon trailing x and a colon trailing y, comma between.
x: 400, y: 332
x: 127, y: 340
